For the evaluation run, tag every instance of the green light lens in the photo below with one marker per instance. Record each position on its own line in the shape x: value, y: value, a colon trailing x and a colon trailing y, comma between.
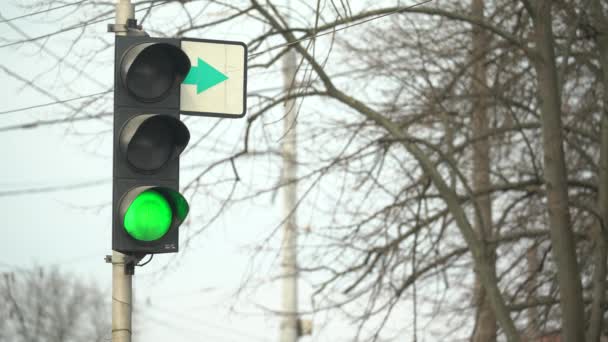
x: 149, y: 216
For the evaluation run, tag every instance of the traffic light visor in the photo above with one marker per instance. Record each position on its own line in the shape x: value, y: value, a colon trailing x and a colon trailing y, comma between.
x: 149, y: 141
x: 150, y: 70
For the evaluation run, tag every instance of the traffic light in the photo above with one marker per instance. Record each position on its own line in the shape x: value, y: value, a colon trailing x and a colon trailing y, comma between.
x: 147, y: 208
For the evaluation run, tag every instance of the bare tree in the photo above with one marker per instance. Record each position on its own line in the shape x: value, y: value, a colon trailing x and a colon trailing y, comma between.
x: 46, y: 305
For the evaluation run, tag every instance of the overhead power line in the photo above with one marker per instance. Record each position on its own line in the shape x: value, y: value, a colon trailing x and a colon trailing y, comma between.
x: 44, y: 48
x: 209, y: 324
x: 42, y: 11
x: 67, y: 29
x: 64, y: 187
x: 60, y: 262
x: 54, y: 102
x: 338, y: 29
x: 81, y: 25
x: 249, y: 57
x: 64, y: 120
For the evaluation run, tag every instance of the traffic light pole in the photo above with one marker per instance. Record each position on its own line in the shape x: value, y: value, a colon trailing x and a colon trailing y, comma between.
x: 121, y: 298
x: 122, y: 286
x: 148, y: 138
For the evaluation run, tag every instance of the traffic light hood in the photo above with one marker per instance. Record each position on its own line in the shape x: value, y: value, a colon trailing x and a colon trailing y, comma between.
x: 149, y: 141
x: 150, y: 70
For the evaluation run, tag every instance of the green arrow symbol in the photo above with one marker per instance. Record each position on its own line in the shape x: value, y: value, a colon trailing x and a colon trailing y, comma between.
x: 204, y: 76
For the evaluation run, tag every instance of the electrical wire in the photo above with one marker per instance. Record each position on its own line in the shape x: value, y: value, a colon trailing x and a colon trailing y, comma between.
x: 42, y: 11
x: 54, y: 102
x: 211, y: 325
x: 73, y: 186
x: 67, y: 29
x: 54, y: 33
x: 63, y: 120
x: 248, y: 57
x: 59, y: 262
x: 183, y: 329
x: 336, y: 30
x: 50, y: 52
x: 109, y: 91
x: 147, y: 262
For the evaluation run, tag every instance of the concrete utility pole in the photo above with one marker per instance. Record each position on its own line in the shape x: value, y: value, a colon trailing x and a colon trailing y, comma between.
x: 290, y: 322
x: 121, y: 299
x: 121, y: 281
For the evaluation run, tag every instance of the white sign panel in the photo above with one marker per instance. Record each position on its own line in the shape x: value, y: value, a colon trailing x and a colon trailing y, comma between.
x: 217, y: 82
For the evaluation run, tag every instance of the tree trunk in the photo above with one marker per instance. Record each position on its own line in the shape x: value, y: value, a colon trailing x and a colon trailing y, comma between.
x: 485, y: 327
x: 562, y: 238
x: 601, y: 229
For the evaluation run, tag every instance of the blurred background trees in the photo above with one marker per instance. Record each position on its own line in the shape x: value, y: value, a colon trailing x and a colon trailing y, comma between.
x: 452, y: 156
x: 50, y: 306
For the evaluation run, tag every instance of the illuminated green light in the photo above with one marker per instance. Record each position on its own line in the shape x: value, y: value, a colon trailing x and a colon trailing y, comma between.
x: 149, y: 216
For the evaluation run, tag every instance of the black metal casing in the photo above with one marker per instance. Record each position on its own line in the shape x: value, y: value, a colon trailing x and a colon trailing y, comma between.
x: 127, y: 106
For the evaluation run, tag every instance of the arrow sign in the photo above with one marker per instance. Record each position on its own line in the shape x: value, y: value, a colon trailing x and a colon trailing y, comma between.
x: 216, y: 84
x: 204, y: 76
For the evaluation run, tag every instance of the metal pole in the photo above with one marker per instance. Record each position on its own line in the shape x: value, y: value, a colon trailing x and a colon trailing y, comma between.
x: 121, y: 299
x: 121, y: 281
x: 124, y: 11
x: 289, y: 325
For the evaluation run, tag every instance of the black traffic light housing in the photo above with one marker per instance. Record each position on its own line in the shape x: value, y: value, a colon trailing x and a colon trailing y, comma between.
x: 148, y: 139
